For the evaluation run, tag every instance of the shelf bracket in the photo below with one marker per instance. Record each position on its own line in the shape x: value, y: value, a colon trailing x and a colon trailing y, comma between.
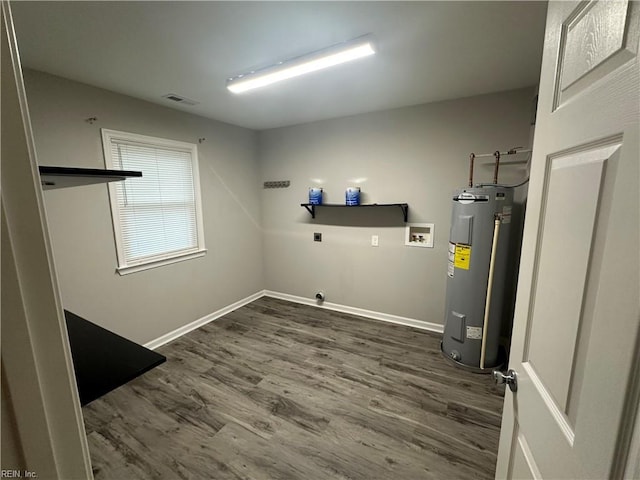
x: 311, y: 209
x: 405, y: 211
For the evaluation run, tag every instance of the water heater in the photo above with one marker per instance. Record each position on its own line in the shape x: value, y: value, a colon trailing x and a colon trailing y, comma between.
x: 477, y: 270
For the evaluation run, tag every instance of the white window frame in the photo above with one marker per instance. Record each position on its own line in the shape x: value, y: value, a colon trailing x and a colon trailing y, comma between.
x: 124, y: 267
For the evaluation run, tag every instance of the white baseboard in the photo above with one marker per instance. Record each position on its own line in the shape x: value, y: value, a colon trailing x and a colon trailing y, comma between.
x: 178, y: 332
x: 385, y: 317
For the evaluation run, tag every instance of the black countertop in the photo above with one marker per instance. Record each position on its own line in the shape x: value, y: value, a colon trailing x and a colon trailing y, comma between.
x: 102, y: 360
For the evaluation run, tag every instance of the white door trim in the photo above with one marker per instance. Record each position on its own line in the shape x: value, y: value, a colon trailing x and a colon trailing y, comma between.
x: 35, y: 348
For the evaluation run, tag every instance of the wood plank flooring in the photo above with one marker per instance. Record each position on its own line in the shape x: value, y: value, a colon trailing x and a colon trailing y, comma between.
x: 278, y: 390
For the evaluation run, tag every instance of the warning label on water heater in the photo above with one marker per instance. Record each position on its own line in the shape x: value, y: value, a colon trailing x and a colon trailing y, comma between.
x: 506, y: 214
x: 462, y: 257
x: 474, y: 333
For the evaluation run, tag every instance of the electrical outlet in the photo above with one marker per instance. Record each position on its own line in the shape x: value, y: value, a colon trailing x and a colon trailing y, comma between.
x: 317, y: 237
x: 374, y: 240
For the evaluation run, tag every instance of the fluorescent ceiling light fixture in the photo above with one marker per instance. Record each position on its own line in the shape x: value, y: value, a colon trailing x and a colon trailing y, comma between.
x: 328, y: 57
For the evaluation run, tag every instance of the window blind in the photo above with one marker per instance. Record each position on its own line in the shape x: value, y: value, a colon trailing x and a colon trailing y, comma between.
x: 157, y: 214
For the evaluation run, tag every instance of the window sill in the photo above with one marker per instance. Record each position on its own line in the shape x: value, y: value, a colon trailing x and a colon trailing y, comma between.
x: 159, y: 263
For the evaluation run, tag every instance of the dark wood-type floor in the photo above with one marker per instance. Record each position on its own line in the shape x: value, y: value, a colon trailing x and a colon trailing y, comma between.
x: 278, y: 390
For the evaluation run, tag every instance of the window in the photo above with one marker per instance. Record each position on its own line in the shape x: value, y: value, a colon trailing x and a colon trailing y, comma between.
x: 157, y: 219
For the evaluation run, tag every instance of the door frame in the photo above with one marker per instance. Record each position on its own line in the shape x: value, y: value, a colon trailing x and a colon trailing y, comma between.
x: 629, y: 468
x: 36, y: 357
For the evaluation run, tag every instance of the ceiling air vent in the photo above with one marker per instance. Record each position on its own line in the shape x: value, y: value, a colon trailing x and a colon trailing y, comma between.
x: 179, y: 99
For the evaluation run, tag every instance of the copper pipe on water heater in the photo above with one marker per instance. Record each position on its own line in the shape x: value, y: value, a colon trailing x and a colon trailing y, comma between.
x: 495, y: 171
x: 472, y: 157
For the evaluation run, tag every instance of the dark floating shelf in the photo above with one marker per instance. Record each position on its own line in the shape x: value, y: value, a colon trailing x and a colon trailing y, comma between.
x: 311, y: 208
x: 102, y: 360
x: 62, y: 177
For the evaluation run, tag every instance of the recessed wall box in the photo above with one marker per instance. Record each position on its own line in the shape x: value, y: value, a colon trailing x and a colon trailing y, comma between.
x: 419, y: 235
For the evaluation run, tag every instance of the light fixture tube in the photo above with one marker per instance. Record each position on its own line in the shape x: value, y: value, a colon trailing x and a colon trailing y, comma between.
x: 341, y: 53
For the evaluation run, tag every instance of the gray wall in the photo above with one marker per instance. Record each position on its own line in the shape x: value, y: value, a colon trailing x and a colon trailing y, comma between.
x: 262, y: 238
x: 417, y: 155
x: 145, y: 305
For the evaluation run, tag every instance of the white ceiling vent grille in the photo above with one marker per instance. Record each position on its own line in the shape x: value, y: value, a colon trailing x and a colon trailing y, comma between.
x: 179, y: 99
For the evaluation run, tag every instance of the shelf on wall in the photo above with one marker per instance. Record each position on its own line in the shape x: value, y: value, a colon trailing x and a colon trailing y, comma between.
x: 311, y: 208
x: 62, y: 177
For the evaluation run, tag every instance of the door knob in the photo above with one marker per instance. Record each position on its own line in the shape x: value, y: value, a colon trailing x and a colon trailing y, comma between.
x: 510, y: 378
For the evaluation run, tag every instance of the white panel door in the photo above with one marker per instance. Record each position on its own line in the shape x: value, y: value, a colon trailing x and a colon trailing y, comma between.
x: 577, y: 316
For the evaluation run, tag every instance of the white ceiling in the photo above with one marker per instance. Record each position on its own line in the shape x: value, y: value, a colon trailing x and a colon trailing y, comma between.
x: 427, y: 51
